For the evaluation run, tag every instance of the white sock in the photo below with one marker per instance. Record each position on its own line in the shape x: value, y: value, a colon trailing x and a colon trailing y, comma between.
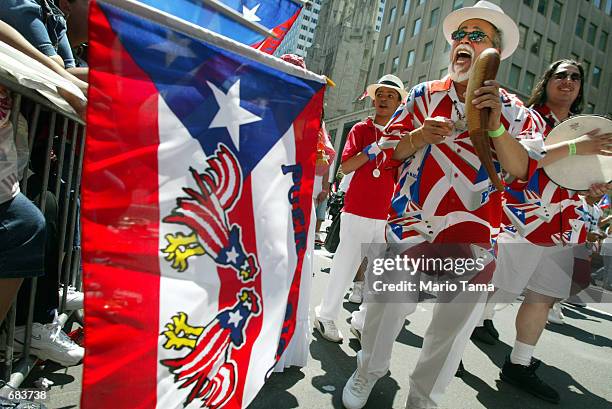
x: 521, y: 353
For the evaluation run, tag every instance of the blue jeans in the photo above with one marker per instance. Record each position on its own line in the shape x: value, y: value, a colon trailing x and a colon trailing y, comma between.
x: 22, y: 239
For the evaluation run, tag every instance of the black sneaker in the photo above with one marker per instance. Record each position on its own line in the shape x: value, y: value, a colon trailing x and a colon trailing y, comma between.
x: 461, y: 370
x: 488, y: 324
x: 525, y: 378
x: 481, y: 334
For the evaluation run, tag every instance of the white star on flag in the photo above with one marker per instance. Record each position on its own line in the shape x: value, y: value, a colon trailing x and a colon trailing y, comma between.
x: 231, y: 115
x: 174, y: 47
x: 234, y: 318
x: 251, y: 14
x: 232, y: 255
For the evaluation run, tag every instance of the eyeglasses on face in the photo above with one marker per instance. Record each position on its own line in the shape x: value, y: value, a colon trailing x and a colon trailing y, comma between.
x: 561, y: 75
x: 474, y: 36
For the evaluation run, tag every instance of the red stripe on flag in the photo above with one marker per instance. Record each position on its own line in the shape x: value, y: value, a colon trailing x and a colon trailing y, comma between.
x: 270, y: 44
x: 120, y: 219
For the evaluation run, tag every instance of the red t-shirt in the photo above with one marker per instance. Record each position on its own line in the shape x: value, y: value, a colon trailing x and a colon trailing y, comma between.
x: 368, y: 196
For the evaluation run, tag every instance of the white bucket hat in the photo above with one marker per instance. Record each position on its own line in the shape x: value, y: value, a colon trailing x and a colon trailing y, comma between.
x: 389, y: 81
x: 490, y: 12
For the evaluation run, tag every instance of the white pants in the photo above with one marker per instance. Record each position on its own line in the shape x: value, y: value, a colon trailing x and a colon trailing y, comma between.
x: 354, y: 231
x: 443, y: 345
x: 544, y: 270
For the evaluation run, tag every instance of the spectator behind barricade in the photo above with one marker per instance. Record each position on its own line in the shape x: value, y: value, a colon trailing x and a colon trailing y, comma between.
x: 76, y: 12
x: 43, y: 24
x: 48, y: 340
x: 22, y: 226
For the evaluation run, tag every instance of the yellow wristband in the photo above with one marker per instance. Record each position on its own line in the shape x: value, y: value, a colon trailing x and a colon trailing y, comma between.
x: 572, y: 148
x: 498, y: 132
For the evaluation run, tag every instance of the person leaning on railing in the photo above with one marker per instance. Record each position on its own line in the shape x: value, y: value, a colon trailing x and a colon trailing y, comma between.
x: 13, y: 38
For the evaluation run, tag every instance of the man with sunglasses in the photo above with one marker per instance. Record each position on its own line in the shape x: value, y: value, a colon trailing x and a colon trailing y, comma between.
x: 536, y: 253
x: 444, y: 197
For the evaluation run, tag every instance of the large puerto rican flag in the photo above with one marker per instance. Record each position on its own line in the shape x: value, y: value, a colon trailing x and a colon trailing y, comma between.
x: 276, y: 15
x: 196, y: 203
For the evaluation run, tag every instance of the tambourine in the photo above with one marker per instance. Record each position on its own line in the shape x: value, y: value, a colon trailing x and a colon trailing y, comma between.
x: 579, y: 172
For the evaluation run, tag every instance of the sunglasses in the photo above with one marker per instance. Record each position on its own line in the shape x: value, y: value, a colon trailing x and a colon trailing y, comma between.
x: 474, y: 36
x: 561, y: 75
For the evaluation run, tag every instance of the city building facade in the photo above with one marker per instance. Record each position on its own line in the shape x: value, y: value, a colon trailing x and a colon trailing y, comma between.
x: 299, y: 37
x: 411, y: 45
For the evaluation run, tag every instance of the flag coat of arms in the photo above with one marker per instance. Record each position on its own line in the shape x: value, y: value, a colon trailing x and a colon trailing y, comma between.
x: 196, y: 203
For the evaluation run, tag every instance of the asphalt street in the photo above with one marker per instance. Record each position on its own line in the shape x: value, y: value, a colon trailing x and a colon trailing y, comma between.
x: 576, y: 360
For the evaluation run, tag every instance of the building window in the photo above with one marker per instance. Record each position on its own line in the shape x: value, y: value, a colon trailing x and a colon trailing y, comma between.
x: 421, y: 79
x: 536, y: 43
x: 591, y: 34
x: 435, y: 17
x: 457, y: 4
x: 381, y: 70
x: 528, y: 82
x: 387, y: 43
x: 515, y: 75
x: 542, y: 7
x: 597, y: 3
x: 428, y: 51
x: 528, y: 3
x: 392, y: 15
x: 304, y: 27
x: 447, y: 47
x: 587, y: 69
x: 443, y: 72
x: 395, y: 65
x: 421, y: 2
x: 580, y: 26
x: 416, y: 28
x: 549, y: 51
x: 332, y: 135
x: 406, y: 6
x: 609, y: 7
x: 400, y: 35
x: 603, y: 41
x: 302, y: 37
x: 556, y: 12
x: 596, y: 76
x: 410, y: 59
x: 306, y: 18
x: 590, y: 108
x: 523, y: 29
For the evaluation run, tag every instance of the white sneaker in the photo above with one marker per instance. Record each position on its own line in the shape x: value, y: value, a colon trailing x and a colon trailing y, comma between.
x: 356, y: 295
x: 327, y: 329
x: 356, y: 333
x: 74, y: 298
x: 356, y: 391
x: 50, y: 342
x: 555, y: 315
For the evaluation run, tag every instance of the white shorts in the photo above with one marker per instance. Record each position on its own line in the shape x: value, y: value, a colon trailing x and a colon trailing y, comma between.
x: 544, y: 270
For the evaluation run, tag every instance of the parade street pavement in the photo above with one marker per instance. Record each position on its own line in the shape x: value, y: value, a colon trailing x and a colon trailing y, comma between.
x: 576, y: 360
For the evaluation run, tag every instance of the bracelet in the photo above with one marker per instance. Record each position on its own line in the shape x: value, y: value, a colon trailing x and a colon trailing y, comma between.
x: 498, y: 132
x: 572, y: 148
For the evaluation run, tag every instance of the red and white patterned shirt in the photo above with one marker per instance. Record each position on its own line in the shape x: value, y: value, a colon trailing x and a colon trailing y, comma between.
x: 540, y: 211
x: 444, y: 194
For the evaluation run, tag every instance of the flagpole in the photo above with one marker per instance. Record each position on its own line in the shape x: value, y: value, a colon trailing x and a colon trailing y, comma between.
x: 234, y: 15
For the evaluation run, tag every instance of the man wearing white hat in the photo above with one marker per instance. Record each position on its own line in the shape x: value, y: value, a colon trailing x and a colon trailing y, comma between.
x: 443, y: 196
x: 367, y: 154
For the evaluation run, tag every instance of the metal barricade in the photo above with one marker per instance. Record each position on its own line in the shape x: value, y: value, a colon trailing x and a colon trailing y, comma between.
x: 62, y: 145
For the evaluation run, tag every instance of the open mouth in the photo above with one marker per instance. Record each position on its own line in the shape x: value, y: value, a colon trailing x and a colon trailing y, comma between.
x: 463, y: 57
x: 565, y: 89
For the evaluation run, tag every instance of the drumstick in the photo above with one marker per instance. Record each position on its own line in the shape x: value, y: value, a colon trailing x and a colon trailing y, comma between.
x: 485, y: 68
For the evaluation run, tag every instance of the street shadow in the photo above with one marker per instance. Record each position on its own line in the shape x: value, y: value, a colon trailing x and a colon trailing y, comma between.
x: 338, y: 368
x: 577, y: 314
x: 580, y: 335
x: 586, y: 311
x: 573, y: 393
x: 408, y: 337
x: 275, y: 394
x: 52, y: 372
